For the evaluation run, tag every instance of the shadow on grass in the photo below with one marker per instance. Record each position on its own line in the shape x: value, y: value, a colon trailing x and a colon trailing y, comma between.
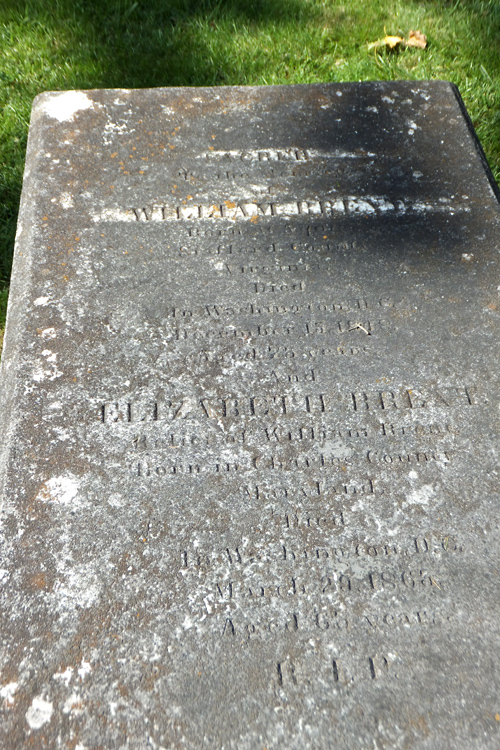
x: 128, y: 43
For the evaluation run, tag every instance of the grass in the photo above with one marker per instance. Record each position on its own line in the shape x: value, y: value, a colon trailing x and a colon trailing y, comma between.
x: 64, y: 44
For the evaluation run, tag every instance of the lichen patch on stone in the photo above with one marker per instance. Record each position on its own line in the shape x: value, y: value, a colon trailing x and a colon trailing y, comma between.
x: 39, y: 713
x: 61, y: 490
x: 63, y: 106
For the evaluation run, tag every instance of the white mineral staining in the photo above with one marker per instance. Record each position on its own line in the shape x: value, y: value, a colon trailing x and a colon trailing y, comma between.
x: 421, y: 496
x: 79, y: 590
x: 4, y: 575
x: 115, y: 500
x: 84, y: 670
x: 66, y: 200
x: 41, y: 301
x: 60, y: 434
x: 78, y: 586
x: 39, y: 713
x: 114, y: 214
x: 48, y: 333
x: 336, y: 449
x: 72, y: 705
x: 467, y: 257
x: 112, y: 129
x: 62, y: 490
x: 40, y: 373
x: 64, y: 106
x: 64, y: 676
x: 50, y: 356
x: 7, y: 692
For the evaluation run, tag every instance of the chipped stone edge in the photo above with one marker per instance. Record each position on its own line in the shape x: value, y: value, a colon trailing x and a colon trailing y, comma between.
x: 20, y: 293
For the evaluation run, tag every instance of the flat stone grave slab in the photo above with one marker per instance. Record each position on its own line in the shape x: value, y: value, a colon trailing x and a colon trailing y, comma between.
x: 250, y: 423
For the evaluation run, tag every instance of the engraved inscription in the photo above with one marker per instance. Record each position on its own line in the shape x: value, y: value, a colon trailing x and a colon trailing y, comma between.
x: 280, y: 405
x: 252, y: 210
x: 353, y: 550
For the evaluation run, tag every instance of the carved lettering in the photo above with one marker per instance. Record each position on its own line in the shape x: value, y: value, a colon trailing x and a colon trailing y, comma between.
x: 292, y: 551
x: 416, y: 457
x: 252, y: 210
x: 390, y: 400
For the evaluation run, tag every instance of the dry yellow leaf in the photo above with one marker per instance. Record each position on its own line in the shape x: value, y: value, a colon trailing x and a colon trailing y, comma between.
x: 391, y: 42
x: 416, y: 39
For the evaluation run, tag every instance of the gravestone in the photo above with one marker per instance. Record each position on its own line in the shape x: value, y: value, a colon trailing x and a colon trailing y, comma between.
x: 250, y: 418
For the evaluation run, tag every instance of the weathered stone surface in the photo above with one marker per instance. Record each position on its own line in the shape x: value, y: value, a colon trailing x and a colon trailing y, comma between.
x: 250, y: 423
